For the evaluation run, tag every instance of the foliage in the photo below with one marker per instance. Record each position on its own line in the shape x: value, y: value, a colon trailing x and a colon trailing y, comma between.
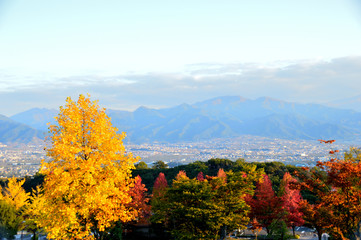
x: 278, y: 230
x: 33, y: 211
x: 87, y: 183
x: 139, y: 199
x: 9, y: 220
x: 199, y: 209
x: 338, y: 204
x: 266, y: 206
x: 14, y: 194
x: 291, y: 203
x: 344, y: 198
x: 160, y: 165
x: 141, y: 165
x: 16, y: 197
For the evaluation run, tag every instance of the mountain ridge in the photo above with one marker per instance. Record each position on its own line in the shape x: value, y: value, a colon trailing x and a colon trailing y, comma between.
x: 224, y: 117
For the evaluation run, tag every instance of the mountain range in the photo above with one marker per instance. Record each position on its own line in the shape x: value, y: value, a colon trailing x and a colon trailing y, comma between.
x: 221, y: 117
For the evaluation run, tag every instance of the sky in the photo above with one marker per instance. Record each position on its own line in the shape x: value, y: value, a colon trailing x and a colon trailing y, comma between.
x: 158, y: 54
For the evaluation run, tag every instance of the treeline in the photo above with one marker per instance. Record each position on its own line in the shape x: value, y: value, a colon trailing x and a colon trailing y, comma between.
x: 274, y: 170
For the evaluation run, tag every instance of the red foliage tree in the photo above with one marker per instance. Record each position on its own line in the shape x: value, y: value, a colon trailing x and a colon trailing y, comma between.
x: 291, y: 202
x: 266, y: 206
x: 160, y: 185
x: 200, y: 176
x: 140, y: 199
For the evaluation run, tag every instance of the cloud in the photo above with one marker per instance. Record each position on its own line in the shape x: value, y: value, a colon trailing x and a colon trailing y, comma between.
x: 303, y: 81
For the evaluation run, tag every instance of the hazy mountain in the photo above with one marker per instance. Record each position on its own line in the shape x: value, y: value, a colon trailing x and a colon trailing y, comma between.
x: 226, y: 117
x: 37, y: 118
x: 14, y: 132
x: 353, y: 103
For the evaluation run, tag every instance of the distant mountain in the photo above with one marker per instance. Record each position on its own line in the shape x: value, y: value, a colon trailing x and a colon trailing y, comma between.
x: 37, y: 118
x: 353, y: 103
x: 14, y: 132
x: 228, y: 117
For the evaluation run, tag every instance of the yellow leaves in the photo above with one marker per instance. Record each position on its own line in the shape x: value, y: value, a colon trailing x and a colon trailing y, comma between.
x: 15, y: 194
x: 88, y: 180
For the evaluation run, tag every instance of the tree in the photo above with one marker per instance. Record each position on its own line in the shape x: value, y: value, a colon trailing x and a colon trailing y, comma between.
x: 158, y: 203
x: 291, y: 202
x: 14, y: 194
x: 140, y: 199
x: 160, y: 165
x: 16, y: 197
x: 141, y: 165
x: 344, y: 198
x: 9, y: 220
x: 87, y: 182
x: 338, y: 194
x: 266, y: 206
x: 160, y: 186
x: 190, y: 211
x: 200, y: 176
x: 34, y: 210
x: 202, y: 208
x: 317, y: 216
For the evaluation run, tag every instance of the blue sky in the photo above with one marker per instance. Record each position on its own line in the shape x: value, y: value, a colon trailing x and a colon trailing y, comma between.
x: 163, y: 53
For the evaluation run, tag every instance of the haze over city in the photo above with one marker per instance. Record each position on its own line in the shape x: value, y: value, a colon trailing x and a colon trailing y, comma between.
x: 160, y: 54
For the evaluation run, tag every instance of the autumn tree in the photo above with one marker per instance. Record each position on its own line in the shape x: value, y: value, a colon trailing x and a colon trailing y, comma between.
x: 344, y: 199
x: 9, y: 220
x: 200, y: 176
x: 266, y: 206
x: 203, y: 208
x: 87, y: 182
x: 291, y: 202
x: 317, y: 216
x: 336, y: 185
x: 14, y: 193
x: 160, y: 186
x: 140, y: 199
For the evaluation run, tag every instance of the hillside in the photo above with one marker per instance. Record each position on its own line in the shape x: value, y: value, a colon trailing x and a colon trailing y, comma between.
x: 14, y: 132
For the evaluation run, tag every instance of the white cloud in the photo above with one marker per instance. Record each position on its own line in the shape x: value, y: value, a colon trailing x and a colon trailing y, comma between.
x: 304, y: 81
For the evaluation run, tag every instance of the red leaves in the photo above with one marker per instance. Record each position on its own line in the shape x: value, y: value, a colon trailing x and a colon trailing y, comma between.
x: 326, y: 141
x: 139, y: 198
x: 291, y: 202
x: 266, y: 206
x: 200, y: 176
x: 160, y: 186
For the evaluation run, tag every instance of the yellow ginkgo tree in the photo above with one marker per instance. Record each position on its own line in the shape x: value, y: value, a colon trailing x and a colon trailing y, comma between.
x: 88, y: 179
x: 14, y: 194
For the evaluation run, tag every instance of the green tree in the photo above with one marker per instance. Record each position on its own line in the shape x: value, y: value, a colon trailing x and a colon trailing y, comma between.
x: 160, y: 165
x: 200, y: 209
x: 141, y: 165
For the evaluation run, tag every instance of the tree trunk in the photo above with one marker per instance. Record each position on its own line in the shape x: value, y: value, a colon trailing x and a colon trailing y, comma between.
x: 224, y: 232
x: 319, y: 233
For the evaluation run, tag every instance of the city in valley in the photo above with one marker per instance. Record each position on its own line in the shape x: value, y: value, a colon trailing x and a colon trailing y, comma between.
x: 25, y: 160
